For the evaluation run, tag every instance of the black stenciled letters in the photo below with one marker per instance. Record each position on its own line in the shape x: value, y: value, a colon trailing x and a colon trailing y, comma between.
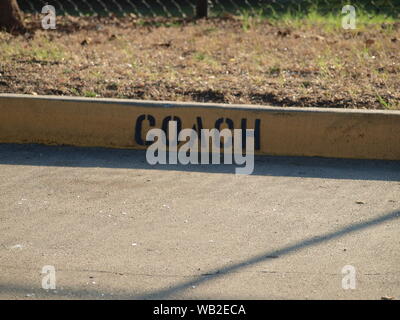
x: 138, y: 129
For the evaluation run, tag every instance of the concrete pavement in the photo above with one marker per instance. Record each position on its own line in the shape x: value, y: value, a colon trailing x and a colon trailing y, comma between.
x: 116, y: 228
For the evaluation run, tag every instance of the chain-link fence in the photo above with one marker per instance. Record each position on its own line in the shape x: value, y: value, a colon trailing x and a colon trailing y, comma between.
x: 200, y: 8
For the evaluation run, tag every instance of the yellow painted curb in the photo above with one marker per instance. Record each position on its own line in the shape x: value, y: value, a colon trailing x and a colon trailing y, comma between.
x: 120, y: 123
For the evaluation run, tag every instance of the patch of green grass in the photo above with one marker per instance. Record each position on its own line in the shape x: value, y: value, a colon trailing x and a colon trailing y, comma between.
x: 329, y: 19
x: 251, y: 19
x: 75, y: 91
x: 385, y: 103
x: 42, y: 50
x: 204, y: 57
x: 200, y: 56
x: 323, y: 65
x: 47, y: 54
x: 246, y: 21
x: 46, y: 50
x: 97, y: 74
x: 90, y: 94
x: 306, y: 84
x: 274, y: 70
x: 67, y: 71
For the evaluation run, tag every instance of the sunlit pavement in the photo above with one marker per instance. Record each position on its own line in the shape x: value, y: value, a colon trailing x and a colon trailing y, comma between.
x: 115, y: 227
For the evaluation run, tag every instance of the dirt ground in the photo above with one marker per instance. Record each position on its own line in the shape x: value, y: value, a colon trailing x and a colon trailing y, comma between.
x: 230, y: 60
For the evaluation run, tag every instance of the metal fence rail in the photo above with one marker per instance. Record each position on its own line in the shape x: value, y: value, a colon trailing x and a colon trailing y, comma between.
x: 201, y: 8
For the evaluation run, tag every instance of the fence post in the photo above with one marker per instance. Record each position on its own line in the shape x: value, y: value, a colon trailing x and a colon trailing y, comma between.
x: 202, y: 9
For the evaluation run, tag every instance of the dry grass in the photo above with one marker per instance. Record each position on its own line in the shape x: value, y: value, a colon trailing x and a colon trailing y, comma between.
x: 223, y: 60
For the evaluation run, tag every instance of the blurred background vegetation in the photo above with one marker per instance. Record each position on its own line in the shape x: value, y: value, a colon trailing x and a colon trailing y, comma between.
x: 272, y: 9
